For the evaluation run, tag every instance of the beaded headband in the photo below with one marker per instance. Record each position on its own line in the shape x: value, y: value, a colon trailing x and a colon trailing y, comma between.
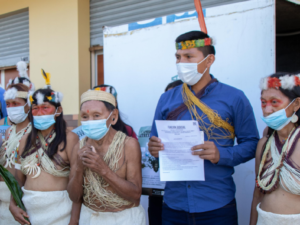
x: 285, y: 82
x: 193, y: 44
x: 98, y: 95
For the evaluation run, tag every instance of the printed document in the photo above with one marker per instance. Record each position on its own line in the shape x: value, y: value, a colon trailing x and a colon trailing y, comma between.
x: 176, y: 161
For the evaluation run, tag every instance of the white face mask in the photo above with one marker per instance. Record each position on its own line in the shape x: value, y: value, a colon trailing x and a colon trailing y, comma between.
x: 17, y: 114
x: 188, y: 72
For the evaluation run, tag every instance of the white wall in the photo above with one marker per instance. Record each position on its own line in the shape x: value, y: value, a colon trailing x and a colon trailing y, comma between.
x: 141, y: 63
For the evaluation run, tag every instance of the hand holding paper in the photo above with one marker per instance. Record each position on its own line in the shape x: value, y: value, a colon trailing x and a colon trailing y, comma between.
x: 177, y: 163
x: 209, y: 151
x: 155, y: 146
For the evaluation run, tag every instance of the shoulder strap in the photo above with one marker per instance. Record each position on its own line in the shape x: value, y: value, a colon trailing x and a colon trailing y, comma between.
x: 191, y: 101
x: 175, y: 113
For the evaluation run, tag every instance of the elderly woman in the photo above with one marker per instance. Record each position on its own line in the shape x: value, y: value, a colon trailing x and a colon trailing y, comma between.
x: 15, y: 96
x: 277, y: 193
x: 107, y: 174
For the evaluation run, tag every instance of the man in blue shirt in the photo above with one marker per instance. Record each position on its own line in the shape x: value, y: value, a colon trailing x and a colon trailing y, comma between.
x: 223, y: 113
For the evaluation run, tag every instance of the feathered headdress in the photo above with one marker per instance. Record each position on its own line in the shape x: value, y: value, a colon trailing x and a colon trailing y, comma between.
x: 13, y: 93
x: 23, y: 76
x: 45, y: 94
x: 287, y: 82
x: 47, y: 77
x: 22, y: 68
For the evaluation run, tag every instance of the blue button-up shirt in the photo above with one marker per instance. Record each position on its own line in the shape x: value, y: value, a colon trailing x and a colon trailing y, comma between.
x: 218, y: 189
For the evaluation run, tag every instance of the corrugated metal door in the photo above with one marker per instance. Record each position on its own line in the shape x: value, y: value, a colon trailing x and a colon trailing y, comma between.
x: 114, y: 13
x: 14, y: 38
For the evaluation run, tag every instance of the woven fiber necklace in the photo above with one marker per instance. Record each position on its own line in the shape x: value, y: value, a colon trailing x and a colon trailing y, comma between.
x: 272, y: 185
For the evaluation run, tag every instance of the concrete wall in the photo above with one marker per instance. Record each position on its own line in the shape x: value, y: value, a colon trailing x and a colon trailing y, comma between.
x: 59, y: 43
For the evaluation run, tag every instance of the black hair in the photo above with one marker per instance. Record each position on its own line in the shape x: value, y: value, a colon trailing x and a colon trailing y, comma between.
x: 59, y: 128
x: 174, y: 84
x: 194, y: 35
x: 120, y: 125
x: 21, y: 80
x: 291, y: 94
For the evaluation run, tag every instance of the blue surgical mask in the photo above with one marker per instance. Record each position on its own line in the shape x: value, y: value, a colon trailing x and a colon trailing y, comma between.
x: 44, y: 122
x: 278, y: 120
x: 95, y: 129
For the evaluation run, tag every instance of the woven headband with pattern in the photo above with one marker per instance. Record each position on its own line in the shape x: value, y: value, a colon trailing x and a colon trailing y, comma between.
x: 193, y: 44
x: 98, y: 95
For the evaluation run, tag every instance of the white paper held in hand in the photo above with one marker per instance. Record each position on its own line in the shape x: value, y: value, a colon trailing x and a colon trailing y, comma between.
x: 176, y: 161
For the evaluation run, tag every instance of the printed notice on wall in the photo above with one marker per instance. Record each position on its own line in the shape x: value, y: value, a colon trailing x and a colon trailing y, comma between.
x: 176, y: 160
x: 150, y: 165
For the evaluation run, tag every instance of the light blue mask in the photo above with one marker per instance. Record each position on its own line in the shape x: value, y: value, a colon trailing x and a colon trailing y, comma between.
x: 95, y: 129
x: 43, y: 122
x: 278, y: 120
